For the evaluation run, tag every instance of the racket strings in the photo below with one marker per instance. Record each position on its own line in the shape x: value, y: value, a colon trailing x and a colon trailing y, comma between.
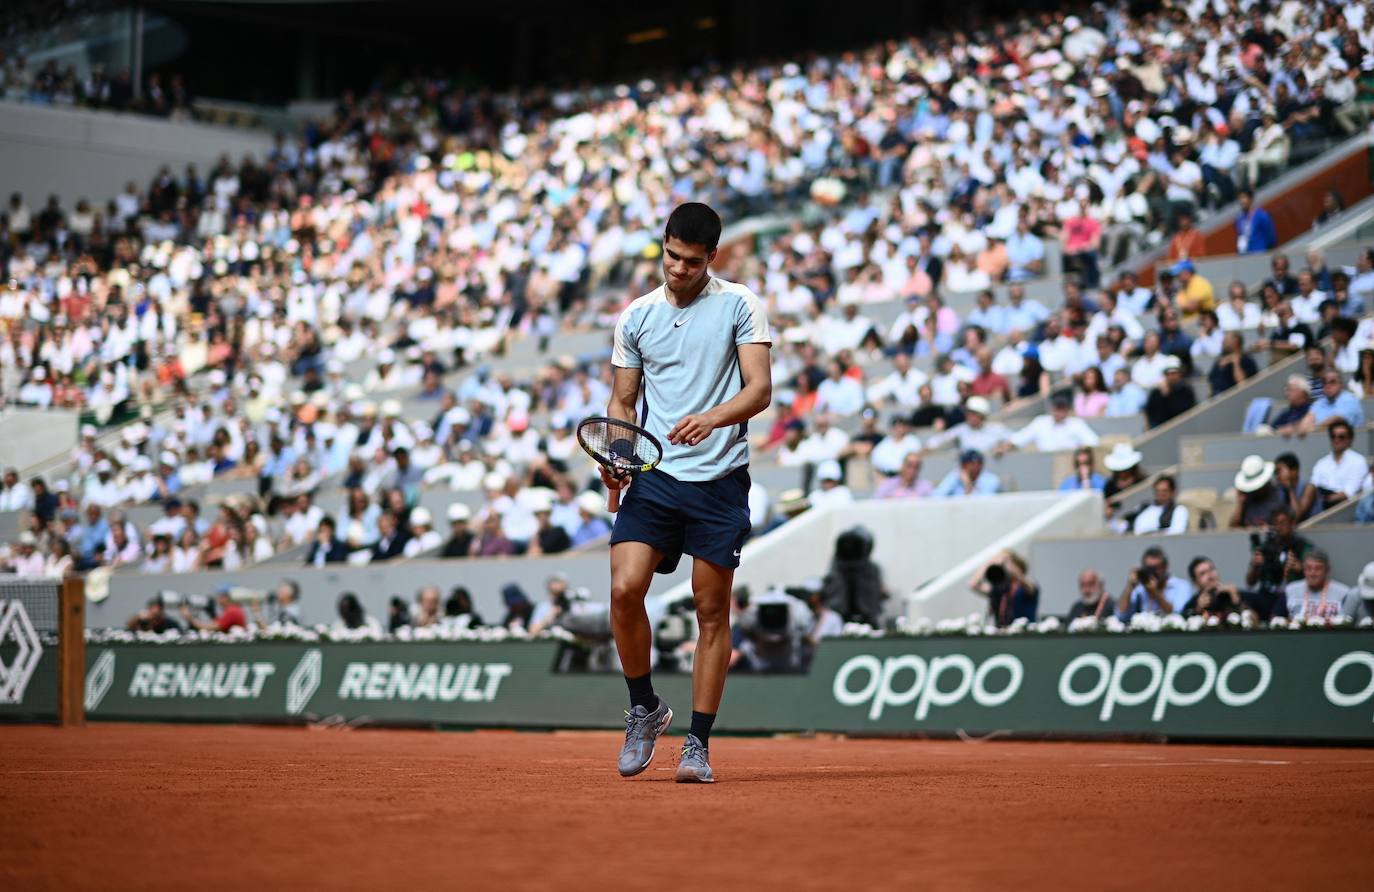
x: 620, y: 444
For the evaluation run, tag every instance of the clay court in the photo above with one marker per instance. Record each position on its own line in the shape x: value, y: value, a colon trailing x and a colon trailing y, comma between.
x: 229, y: 807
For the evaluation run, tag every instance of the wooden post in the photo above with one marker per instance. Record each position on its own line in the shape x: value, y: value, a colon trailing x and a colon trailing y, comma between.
x: 71, y: 652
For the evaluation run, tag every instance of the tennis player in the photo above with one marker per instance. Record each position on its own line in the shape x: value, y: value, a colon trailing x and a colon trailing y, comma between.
x: 691, y: 367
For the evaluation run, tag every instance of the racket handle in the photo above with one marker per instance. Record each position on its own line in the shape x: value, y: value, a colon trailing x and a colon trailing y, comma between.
x: 613, y: 501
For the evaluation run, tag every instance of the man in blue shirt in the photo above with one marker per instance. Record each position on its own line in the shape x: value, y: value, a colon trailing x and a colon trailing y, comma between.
x: 969, y: 479
x: 1335, y: 402
x: 1254, y: 227
x: 1151, y: 589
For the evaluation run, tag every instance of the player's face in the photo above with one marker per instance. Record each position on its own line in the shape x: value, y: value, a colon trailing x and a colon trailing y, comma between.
x: 684, y: 264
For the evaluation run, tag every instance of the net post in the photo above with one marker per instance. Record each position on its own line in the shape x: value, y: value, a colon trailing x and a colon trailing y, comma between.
x: 71, y: 652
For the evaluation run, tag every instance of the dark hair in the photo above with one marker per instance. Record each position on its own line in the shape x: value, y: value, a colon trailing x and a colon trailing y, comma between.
x: 1281, y: 511
x: 1340, y: 422
x: 1154, y: 551
x: 1343, y: 324
x: 294, y: 586
x: 695, y: 224
x: 1169, y: 479
x: 1194, y: 564
x: 351, y: 610
x: 1288, y: 460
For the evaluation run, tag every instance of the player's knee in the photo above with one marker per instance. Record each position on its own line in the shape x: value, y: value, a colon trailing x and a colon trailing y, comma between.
x: 713, y: 616
x: 626, y: 598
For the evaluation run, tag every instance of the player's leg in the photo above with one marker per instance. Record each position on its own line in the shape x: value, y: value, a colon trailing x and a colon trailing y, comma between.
x: 711, y: 586
x: 632, y: 569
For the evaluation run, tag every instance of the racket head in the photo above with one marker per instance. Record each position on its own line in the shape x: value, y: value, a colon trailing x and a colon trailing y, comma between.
x: 619, y: 446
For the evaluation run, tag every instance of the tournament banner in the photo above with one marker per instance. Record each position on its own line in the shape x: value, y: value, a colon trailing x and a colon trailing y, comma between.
x: 1291, y: 685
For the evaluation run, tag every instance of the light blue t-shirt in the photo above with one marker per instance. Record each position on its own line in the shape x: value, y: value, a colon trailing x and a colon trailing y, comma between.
x: 690, y: 359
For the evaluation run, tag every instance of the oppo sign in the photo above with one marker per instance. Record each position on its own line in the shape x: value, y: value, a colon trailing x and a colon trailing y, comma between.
x: 1090, y: 679
x: 896, y: 681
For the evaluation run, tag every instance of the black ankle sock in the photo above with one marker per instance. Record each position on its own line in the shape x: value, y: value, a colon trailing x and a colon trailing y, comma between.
x: 701, y: 726
x: 642, y: 692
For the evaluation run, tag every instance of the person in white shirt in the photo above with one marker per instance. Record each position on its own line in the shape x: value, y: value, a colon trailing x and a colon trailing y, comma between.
x: 1112, y: 313
x: 902, y: 385
x: 1060, y: 430
x: 423, y: 536
x: 1148, y: 370
x: 1237, y: 313
x: 839, y: 394
x: 1340, y: 474
x: 16, y: 495
x: 1131, y: 296
x: 1163, y: 515
x: 1207, y: 344
x: 825, y: 442
x: 792, y: 452
x: 891, y: 450
x: 26, y: 560
x: 1269, y: 148
x: 975, y: 432
x: 830, y: 490
x: 944, y: 387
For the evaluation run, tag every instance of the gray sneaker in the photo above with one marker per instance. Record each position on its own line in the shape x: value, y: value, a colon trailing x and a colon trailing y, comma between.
x: 694, y: 767
x: 642, y: 729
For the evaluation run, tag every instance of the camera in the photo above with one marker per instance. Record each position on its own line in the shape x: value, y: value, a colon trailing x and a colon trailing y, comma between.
x: 995, y: 575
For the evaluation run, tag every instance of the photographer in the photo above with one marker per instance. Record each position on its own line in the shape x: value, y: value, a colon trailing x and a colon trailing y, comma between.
x: 153, y: 618
x: 776, y: 624
x: 1275, y: 561
x: 283, y: 606
x: 547, y: 613
x: 1010, y: 592
x: 229, y: 614
x: 1150, y: 588
x: 1212, y: 598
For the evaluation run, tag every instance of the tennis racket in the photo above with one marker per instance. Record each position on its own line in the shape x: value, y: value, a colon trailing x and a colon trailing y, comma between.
x: 620, y: 447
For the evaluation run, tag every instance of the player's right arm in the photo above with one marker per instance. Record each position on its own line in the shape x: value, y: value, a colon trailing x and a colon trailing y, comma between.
x: 625, y: 385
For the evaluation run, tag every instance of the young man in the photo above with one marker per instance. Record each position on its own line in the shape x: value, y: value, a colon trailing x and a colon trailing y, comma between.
x: 696, y: 348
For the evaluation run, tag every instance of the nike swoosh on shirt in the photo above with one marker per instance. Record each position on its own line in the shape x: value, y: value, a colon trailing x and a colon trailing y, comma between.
x: 678, y: 322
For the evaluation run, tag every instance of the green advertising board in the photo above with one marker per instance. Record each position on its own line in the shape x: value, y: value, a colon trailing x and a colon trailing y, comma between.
x: 1256, y: 685
x: 28, y: 684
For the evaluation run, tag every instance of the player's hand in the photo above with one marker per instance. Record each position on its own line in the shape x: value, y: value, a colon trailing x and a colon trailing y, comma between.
x: 611, y: 480
x: 691, y: 430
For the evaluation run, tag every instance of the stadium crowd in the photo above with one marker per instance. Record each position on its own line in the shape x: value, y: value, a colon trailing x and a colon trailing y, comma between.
x: 319, y: 322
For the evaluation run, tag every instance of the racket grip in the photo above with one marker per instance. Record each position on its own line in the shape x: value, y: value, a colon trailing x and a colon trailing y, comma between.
x: 613, y: 501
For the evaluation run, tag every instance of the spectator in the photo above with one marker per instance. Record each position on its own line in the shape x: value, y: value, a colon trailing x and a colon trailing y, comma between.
x: 1163, y: 515
x: 1238, y: 313
x: 1254, y: 227
x: 1057, y: 431
x: 1233, y: 366
x: 1151, y: 588
x: 458, y: 612
x: 1317, y: 595
x: 1213, y: 598
x: 26, y: 560
x: 1082, y: 240
x: 15, y: 494
x: 283, y: 606
x: 1276, y: 559
x: 1194, y: 292
x: 907, y: 483
x: 1187, y: 243
x: 492, y: 540
x: 1299, y: 495
x: 1092, y: 397
x: 327, y: 547
x: 1342, y: 473
x: 1209, y: 341
x: 228, y: 614
x: 1126, y: 398
x: 1335, y: 404
x: 1124, y: 463
x: 1257, y: 493
x: 1011, y: 594
x: 153, y: 618
x: 391, y: 539
x: 1093, y: 599
x: 827, y: 622
x: 887, y: 456
x: 549, y: 538
x: 830, y: 488
x: 1269, y: 149
x: 975, y: 431
x: 547, y: 612
x: 518, y: 607
x: 1291, y: 417
x: 593, y: 525
x: 459, y: 544
x: 423, y: 537
x: 1362, y: 608
x: 969, y: 478
x: 353, y: 618
x: 1083, y: 476
x: 1172, y: 397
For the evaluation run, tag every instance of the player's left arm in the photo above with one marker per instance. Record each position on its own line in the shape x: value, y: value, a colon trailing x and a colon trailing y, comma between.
x: 753, y: 397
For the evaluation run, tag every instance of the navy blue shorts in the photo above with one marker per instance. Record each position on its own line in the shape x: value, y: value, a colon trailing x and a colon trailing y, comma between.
x: 708, y: 520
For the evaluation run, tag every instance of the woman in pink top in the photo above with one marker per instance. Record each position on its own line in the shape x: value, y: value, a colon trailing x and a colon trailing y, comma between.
x: 1092, y: 396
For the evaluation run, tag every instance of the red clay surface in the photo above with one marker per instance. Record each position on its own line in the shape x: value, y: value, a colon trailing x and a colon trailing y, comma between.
x: 223, y: 807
